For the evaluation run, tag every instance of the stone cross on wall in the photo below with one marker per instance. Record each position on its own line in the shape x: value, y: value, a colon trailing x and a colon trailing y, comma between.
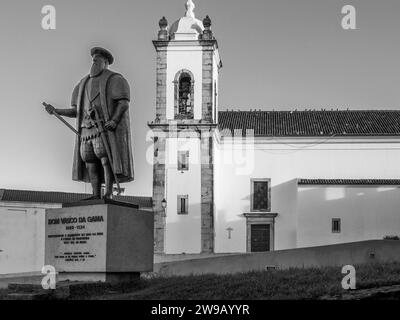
x: 229, y: 232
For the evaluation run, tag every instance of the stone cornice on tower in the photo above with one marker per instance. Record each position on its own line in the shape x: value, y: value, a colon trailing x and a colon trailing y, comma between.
x: 203, y: 45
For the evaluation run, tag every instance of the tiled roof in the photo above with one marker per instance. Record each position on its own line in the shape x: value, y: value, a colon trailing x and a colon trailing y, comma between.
x: 63, y: 197
x: 312, y: 123
x: 371, y: 182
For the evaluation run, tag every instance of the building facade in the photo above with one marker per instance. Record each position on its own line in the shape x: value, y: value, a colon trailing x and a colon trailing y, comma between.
x: 231, y: 181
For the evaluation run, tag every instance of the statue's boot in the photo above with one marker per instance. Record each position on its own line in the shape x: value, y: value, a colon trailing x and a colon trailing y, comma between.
x: 96, y: 186
x: 94, y: 175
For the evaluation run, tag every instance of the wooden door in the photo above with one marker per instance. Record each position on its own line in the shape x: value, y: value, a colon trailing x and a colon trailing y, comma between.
x: 260, y: 237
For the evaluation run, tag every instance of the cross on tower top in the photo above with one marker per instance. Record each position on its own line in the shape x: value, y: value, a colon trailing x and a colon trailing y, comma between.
x: 189, y: 9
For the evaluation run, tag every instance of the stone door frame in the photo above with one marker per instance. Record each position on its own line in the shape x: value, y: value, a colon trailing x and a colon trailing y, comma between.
x: 260, y: 218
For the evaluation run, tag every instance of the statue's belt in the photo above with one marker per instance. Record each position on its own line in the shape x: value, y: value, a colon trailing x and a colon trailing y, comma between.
x: 90, y: 137
x: 89, y: 134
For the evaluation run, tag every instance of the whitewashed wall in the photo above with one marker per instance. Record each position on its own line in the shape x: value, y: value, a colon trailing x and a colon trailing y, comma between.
x: 283, y: 161
x: 366, y: 213
x: 21, y: 237
x: 183, y: 232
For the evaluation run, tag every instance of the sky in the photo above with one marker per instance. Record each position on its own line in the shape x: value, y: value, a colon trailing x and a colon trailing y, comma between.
x: 277, y: 54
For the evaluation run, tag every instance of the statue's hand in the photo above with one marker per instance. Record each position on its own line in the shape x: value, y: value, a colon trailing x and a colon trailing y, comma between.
x: 111, y: 125
x: 50, y: 109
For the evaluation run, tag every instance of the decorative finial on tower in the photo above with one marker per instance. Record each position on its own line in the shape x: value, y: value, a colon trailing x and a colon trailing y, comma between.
x: 189, y: 9
x: 163, y: 23
x: 207, y: 22
x: 207, y: 33
x: 163, y: 33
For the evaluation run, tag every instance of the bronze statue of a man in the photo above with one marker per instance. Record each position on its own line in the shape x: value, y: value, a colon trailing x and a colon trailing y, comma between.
x: 103, y: 149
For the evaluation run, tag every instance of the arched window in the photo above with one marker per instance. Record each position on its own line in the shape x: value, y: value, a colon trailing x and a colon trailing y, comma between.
x: 184, y: 90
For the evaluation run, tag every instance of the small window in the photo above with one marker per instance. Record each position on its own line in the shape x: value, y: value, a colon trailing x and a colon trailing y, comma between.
x: 261, y: 195
x: 183, y: 202
x: 183, y: 160
x: 336, y: 225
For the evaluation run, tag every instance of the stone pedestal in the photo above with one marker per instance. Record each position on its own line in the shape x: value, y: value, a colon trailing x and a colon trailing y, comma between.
x: 99, y: 241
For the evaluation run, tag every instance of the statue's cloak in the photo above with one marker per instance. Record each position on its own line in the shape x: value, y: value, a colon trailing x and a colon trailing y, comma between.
x: 112, y: 88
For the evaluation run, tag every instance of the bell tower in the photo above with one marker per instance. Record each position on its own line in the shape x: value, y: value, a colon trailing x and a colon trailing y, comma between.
x: 188, y: 65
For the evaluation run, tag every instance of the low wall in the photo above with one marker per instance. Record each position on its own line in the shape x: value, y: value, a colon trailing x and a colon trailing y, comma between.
x: 332, y: 255
x: 160, y: 258
x: 21, y: 239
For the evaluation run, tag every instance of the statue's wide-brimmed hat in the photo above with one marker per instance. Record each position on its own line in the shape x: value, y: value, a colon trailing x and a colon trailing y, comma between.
x: 105, y: 53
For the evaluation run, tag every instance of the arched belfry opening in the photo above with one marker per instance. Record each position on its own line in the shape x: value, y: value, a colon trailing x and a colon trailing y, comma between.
x: 184, y: 95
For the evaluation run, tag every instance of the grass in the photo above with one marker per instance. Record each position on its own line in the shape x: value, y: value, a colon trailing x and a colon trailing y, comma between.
x: 279, y: 284
x: 289, y: 284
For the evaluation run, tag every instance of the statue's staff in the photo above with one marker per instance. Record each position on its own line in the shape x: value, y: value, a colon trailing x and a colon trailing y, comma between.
x: 61, y: 119
x: 100, y: 130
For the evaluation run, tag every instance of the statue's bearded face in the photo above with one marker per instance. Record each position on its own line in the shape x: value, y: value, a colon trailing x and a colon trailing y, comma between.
x: 99, y: 64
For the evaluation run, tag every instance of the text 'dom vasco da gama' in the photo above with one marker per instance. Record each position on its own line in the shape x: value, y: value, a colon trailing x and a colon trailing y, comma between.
x: 77, y: 235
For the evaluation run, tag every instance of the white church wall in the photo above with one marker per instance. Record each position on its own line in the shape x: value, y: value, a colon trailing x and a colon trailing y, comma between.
x: 234, y: 201
x: 189, y: 58
x: 283, y: 161
x: 228, y: 190
x: 366, y: 213
x: 183, y: 232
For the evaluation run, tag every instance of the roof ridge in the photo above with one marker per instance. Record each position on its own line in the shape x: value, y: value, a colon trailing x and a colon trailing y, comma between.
x: 31, y: 196
x: 3, y: 191
x: 315, y: 123
x: 42, y: 191
x: 314, y: 110
x: 348, y: 181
